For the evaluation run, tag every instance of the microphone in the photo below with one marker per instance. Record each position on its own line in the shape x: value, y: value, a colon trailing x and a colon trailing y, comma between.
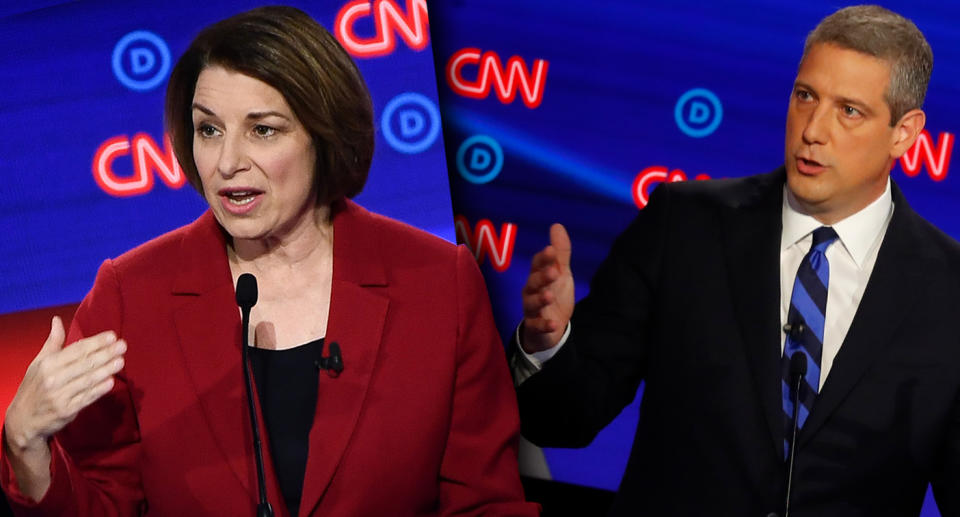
x: 798, y: 368
x: 246, y: 299
x: 333, y: 362
x: 246, y: 292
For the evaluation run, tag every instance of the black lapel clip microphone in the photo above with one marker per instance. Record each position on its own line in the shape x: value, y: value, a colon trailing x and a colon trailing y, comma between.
x: 794, y: 330
x: 332, y: 363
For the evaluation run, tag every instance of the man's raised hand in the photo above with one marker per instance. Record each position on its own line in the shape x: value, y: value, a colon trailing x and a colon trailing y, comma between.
x: 548, y: 296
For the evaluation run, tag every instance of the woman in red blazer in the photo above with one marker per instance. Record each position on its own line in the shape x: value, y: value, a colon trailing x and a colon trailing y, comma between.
x: 145, y: 410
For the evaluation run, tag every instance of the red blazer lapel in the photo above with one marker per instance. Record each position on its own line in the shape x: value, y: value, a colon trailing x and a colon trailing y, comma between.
x: 356, y: 321
x: 208, y: 328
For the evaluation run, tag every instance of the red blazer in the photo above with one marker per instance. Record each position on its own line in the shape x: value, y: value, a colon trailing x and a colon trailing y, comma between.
x: 422, y: 421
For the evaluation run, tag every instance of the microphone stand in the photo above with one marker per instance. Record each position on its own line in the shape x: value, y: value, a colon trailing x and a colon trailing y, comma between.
x: 798, y: 368
x: 247, y: 298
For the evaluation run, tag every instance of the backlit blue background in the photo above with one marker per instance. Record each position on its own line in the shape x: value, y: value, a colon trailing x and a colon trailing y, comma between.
x: 616, y: 72
x: 61, y: 100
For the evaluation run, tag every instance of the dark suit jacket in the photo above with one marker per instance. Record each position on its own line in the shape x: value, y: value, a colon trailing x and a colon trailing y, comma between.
x: 688, y: 301
x: 422, y: 421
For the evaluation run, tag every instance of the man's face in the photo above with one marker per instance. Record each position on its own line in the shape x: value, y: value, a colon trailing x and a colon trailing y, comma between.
x: 839, y: 144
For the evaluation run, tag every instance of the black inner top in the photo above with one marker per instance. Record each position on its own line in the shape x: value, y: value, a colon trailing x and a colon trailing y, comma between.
x: 287, y: 388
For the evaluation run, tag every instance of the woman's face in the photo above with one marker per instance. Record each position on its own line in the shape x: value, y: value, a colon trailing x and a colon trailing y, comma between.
x: 256, y: 160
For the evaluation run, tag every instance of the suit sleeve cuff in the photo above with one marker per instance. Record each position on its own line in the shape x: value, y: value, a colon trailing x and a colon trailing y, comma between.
x: 54, y: 501
x: 524, y: 365
x: 537, y: 359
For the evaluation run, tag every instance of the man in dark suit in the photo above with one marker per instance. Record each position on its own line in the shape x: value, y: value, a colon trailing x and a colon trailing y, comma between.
x: 717, y: 285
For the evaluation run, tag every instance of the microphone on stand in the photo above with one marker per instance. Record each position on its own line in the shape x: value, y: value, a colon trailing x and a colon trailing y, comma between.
x: 798, y: 368
x: 246, y: 299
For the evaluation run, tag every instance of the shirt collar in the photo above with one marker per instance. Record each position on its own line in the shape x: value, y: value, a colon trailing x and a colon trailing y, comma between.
x: 857, y: 233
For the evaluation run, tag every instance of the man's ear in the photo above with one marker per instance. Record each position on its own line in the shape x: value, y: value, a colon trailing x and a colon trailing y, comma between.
x: 906, y: 131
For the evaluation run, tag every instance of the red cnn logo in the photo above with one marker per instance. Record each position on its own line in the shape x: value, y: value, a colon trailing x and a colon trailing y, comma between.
x: 937, y: 159
x: 388, y: 19
x: 147, y: 157
x: 490, y: 69
x: 483, y: 241
x: 643, y: 182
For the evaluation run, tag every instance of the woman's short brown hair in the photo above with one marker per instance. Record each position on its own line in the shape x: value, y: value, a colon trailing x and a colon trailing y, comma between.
x: 287, y: 49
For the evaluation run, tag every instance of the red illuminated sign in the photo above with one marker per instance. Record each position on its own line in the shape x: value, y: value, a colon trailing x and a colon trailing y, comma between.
x: 491, y: 73
x: 644, y: 181
x: 147, y: 157
x: 388, y: 19
x: 923, y: 152
x: 484, y: 241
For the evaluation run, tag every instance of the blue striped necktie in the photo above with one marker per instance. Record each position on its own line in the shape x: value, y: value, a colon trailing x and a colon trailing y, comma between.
x: 808, y: 307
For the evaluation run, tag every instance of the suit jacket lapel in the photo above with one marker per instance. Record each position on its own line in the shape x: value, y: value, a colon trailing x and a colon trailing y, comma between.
x: 208, y: 327
x: 897, y: 279
x: 357, y: 315
x: 751, y: 233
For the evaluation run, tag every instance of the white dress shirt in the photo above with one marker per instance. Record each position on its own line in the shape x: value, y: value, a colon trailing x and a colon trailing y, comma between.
x: 851, y: 259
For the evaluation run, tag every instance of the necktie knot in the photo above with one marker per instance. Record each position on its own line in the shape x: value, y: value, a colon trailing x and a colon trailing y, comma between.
x: 823, y: 236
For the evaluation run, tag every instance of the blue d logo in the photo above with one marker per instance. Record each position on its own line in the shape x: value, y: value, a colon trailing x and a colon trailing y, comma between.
x: 698, y: 113
x: 141, y: 60
x: 410, y: 123
x: 479, y: 159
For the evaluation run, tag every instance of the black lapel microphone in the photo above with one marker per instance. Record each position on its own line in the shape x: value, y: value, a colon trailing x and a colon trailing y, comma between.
x: 246, y: 299
x: 798, y: 368
x: 794, y: 330
x: 332, y: 363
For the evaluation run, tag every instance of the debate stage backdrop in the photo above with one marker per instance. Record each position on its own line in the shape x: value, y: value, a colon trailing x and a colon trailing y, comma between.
x: 87, y: 173
x: 573, y: 112
x: 552, y: 111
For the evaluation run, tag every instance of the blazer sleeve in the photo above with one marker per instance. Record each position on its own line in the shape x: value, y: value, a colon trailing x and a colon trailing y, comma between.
x: 599, y: 368
x: 94, y: 466
x: 478, y: 472
x: 946, y: 478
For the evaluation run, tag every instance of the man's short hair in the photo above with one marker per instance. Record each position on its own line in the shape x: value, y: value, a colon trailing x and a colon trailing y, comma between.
x: 879, y: 32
